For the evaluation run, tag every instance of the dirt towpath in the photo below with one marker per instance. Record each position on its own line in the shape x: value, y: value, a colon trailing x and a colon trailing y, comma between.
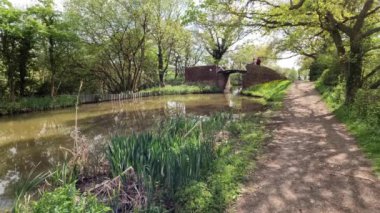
x: 311, y: 165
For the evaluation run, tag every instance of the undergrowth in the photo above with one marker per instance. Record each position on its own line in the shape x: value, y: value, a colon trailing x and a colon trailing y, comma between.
x: 233, y: 160
x: 362, y: 117
x: 269, y: 93
x: 185, y: 164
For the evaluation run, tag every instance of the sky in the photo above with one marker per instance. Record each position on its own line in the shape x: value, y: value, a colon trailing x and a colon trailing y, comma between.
x: 28, y: 3
x: 286, y: 63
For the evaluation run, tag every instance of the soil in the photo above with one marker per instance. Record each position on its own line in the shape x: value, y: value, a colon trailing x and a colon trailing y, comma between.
x: 312, y: 164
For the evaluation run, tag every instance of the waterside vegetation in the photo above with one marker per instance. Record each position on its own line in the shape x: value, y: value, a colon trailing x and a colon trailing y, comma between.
x: 268, y: 93
x: 184, y: 164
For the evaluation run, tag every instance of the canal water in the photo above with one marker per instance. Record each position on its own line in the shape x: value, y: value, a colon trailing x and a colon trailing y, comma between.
x: 33, y: 140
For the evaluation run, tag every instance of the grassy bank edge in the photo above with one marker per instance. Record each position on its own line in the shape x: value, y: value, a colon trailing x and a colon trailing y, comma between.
x: 238, y: 158
x: 221, y: 186
x: 270, y: 93
x: 35, y: 104
x: 366, y: 133
x: 183, y: 89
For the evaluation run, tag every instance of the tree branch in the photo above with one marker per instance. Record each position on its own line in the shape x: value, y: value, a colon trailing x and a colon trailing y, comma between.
x: 296, y: 6
x: 362, y: 15
x: 373, y: 72
x: 371, y: 32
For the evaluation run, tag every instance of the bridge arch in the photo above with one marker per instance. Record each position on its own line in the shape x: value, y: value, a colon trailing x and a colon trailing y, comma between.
x: 216, y: 76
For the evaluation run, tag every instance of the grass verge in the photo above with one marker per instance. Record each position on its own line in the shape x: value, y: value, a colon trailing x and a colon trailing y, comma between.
x: 269, y: 93
x: 220, y: 186
x: 29, y: 104
x: 183, y: 89
x: 362, y: 118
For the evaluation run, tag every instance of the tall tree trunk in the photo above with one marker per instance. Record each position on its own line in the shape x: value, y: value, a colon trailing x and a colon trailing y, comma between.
x: 177, y: 64
x: 354, y: 71
x: 53, y: 67
x: 24, y: 57
x: 161, y: 72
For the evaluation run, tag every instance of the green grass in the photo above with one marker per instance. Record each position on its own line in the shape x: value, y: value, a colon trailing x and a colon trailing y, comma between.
x: 179, y: 151
x: 184, y: 164
x: 67, y: 199
x: 362, y: 118
x: 182, y: 89
x: 271, y: 93
x: 29, y: 104
x: 233, y: 160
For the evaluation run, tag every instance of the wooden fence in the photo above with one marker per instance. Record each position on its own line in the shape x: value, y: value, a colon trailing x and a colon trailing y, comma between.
x: 94, y: 98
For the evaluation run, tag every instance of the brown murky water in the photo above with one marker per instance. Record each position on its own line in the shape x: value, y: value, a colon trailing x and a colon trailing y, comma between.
x: 34, y: 139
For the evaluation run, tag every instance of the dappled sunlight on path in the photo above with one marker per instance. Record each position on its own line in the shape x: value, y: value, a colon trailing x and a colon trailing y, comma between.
x: 311, y: 165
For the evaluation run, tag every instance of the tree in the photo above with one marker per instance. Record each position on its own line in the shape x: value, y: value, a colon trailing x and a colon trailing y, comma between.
x: 116, y: 33
x: 217, y: 31
x: 56, y: 37
x: 18, y: 32
x: 349, y: 24
x: 167, y: 31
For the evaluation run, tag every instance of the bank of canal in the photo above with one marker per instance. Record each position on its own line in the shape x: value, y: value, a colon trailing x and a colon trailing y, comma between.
x: 28, y: 140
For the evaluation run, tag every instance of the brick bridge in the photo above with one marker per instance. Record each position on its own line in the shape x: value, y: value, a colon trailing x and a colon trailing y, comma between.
x: 216, y: 76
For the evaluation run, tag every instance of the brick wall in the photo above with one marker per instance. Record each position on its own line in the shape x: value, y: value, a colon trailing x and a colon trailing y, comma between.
x: 259, y: 74
x: 207, y: 75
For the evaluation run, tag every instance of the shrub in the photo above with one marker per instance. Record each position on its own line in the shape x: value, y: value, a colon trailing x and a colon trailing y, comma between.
x: 362, y: 117
x: 68, y: 199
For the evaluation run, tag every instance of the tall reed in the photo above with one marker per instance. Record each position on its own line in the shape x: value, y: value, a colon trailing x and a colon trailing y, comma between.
x: 180, y: 150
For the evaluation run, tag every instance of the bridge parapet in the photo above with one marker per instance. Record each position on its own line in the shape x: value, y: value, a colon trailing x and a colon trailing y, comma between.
x: 259, y: 74
x: 216, y: 76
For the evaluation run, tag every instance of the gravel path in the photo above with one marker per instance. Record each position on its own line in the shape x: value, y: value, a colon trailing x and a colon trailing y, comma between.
x: 311, y: 165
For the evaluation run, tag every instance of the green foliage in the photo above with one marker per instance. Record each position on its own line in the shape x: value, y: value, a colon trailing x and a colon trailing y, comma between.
x: 333, y: 95
x: 234, y: 159
x: 362, y: 117
x: 218, y: 30
x: 196, y: 197
x: 272, y: 91
x: 180, y: 151
x: 183, y: 89
x: 325, y: 69
x: 62, y: 175
x: 67, y: 199
x: 30, y: 182
x: 36, y: 104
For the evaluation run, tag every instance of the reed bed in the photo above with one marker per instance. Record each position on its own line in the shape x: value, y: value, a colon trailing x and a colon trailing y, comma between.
x: 179, y: 151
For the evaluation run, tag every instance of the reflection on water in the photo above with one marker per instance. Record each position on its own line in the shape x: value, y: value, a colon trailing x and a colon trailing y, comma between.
x: 34, y: 139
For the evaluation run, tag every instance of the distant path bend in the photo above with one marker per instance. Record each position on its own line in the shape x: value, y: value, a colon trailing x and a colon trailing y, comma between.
x: 311, y: 165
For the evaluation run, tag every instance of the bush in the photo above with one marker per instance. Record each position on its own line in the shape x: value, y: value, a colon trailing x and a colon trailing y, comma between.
x: 68, y: 199
x: 196, y: 197
x: 321, y: 64
x: 367, y: 105
x: 362, y: 117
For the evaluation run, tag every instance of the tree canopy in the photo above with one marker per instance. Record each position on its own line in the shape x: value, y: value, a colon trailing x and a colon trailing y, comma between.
x: 122, y: 45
